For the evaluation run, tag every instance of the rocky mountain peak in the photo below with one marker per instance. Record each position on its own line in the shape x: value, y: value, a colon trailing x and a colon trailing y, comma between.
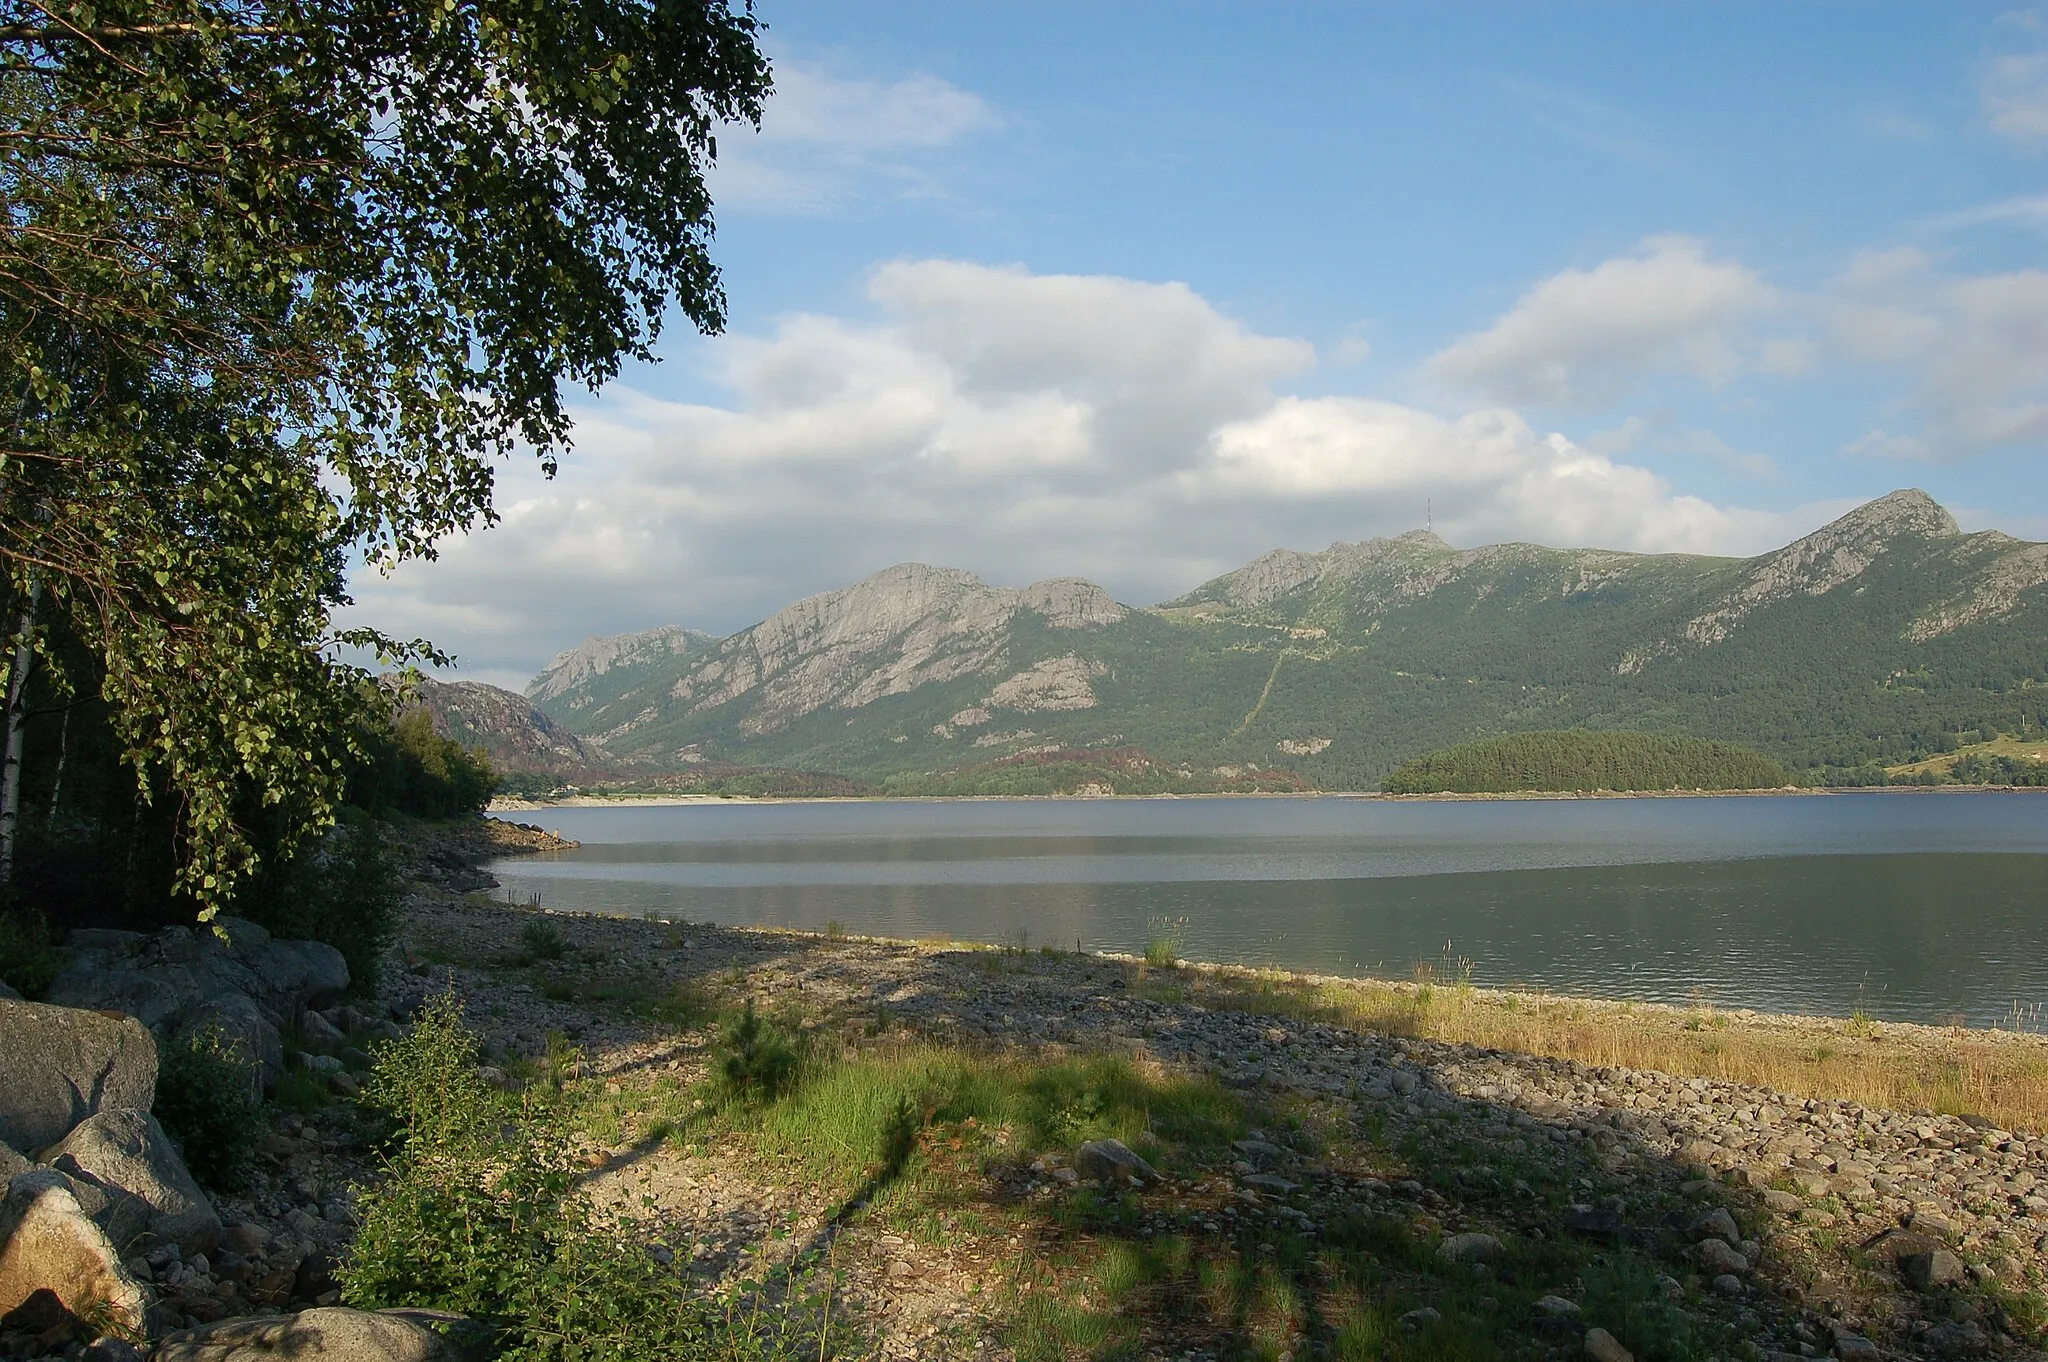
x: 595, y: 656
x: 1838, y: 552
x: 1906, y: 511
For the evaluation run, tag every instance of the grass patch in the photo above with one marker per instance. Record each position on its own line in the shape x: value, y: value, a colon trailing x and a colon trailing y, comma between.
x: 1953, y: 1071
x: 941, y: 1116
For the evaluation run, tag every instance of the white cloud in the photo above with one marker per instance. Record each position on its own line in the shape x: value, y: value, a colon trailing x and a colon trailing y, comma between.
x: 1976, y: 348
x: 827, y: 141
x: 2031, y: 209
x: 1015, y: 424
x: 2014, y: 91
x: 1583, y: 336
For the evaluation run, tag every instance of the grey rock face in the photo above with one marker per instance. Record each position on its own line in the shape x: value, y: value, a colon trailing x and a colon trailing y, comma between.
x: 330, y: 1334
x: 180, y: 981
x: 1111, y: 1161
x: 127, y: 1154
x: 159, y: 978
x: 59, y: 1066
x: 47, y: 1242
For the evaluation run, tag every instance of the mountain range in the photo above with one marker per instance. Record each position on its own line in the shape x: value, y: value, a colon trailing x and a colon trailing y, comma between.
x: 1878, y: 638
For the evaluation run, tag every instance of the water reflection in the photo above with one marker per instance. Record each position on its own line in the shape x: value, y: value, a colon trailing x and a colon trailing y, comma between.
x: 1908, y: 908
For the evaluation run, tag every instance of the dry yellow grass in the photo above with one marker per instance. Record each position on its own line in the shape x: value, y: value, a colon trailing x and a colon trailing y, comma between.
x: 1999, y: 1075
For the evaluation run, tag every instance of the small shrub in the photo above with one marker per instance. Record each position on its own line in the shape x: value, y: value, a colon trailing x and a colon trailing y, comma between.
x: 542, y: 941
x: 205, y: 1102
x: 300, y: 1090
x: 481, y: 1214
x: 756, y: 1062
x: 1160, y: 953
x: 685, y: 1007
x: 835, y: 930
x: 27, y: 961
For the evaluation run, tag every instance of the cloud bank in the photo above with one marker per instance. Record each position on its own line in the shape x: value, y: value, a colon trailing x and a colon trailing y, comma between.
x: 1020, y: 425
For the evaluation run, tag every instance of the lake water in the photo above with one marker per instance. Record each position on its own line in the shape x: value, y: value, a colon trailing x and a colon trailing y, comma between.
x: 1908, y: 906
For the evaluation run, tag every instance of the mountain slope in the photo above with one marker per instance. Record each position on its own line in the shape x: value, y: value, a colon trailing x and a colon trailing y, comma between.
x: 1868, y: 640
x: 511, y: 733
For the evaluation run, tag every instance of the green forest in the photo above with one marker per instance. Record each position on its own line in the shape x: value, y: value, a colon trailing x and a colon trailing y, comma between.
x: 1574, y: 759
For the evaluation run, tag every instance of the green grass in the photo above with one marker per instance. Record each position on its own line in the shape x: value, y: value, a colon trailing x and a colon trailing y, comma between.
x: 838, y: 1123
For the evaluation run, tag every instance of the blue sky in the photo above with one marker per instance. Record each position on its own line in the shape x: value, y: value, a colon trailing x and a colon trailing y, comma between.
x: 1137, y: 292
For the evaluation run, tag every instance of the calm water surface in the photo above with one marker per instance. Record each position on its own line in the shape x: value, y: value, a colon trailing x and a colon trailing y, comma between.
x: 1912, y: 907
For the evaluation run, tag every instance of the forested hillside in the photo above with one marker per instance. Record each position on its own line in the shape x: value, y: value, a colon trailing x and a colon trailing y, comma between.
x: 1885, y: 637
x: 1577, y: 760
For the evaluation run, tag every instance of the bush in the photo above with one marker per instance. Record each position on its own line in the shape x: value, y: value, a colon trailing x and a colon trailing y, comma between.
x: 542, y: 941
x: 27, y: 961
x: 756, y: 1062
x: 482, y: 1214
x: 343, y: 889
x: 206, y: 1102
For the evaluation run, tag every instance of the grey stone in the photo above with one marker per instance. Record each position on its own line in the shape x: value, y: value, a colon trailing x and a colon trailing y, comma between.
x: 1784, y: 1203
x: 1421, y: 1317
x: 59, y: 1065
x: 1556, y: 1308
x: 1933, y: 1224
x: 108, y: 1348
x: 1727, y: 1284
x: 127, y: 1153
x: 1111, y: 1161
x: 1717, y: 1257
x: 1602, y: 1346
x: 1470, y: 1247
x: 1270, y: 1183
x: 1856, y: 1348
x: 8, y: 992
x: 1260, y: 1152
x: 1937, y: 1267
x: 12, y: 1161
x: 321, y: 1032
x: 248, y: 1240
x: 47, y: 1242
x: 1716, y: 1224
x: 327, y: 1334
x: 244, y: 1031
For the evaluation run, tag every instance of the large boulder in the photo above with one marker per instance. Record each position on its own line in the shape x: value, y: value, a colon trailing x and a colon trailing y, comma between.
x: 59, y: 1065
x: 47, y: 1242
x: 180, y: 982
x: 160, y: 978
x: 151, y: 1196
x: 329, y: 1334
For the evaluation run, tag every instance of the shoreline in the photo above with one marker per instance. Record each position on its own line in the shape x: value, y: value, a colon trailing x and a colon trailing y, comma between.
x: 656, y: 801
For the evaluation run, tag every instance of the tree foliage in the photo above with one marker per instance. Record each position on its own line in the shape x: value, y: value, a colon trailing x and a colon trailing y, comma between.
x: 1574, y: 759
x: 279, y: 281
